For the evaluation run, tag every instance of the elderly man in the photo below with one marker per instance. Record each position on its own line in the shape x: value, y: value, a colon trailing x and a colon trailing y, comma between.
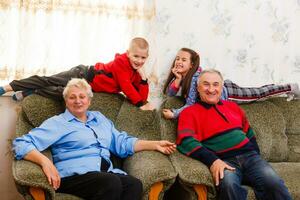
x: 217, y: 133
x: 81, y: 142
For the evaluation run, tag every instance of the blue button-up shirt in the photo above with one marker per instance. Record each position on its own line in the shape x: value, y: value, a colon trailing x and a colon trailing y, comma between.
x: 77, y: 147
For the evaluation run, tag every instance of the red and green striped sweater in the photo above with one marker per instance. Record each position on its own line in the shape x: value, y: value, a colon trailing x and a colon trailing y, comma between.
x: 208, y: 132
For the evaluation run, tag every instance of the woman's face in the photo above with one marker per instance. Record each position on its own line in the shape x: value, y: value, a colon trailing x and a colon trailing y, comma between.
x: 183, y: 62
x: 77, y: 101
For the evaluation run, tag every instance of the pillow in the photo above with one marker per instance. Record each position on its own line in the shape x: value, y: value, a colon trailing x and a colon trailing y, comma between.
x: 37, y: 108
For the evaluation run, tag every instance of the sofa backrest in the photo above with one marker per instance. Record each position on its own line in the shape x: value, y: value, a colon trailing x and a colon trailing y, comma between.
x: 269, y: 125
x: 37, y: 109
x: 291, y: 113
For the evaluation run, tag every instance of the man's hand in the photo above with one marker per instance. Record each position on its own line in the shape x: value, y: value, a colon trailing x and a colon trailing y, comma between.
x: 147, y: 106
x: 51, y: 173
x: 168, y: 114
x: 165, y: 147
x: 217, y: 170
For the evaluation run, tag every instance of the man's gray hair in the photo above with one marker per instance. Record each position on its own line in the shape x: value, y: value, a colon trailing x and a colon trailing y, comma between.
x: 212, y: 71
x: 78, y: 83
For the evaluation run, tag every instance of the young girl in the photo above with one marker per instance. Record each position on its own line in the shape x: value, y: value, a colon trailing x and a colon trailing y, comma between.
x: 183, y: 80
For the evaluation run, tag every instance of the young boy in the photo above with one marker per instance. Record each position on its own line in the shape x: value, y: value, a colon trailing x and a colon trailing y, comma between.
x: 123, y: 74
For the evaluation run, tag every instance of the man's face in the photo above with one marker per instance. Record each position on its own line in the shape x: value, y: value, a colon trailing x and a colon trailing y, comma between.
x: 137, y: 57
x: 210, y: 88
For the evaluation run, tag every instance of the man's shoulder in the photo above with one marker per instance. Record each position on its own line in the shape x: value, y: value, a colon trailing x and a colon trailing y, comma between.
x: 230, y: 104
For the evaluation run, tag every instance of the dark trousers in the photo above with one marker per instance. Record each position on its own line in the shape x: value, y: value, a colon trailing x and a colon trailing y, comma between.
x: 252, y: 170
x: 50, y: 86
x: 102, y: 186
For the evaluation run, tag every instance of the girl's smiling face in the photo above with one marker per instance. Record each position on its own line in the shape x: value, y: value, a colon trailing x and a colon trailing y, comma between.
x: 183, y: 62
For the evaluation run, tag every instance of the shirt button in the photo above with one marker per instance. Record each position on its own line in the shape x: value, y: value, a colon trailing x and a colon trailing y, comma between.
x: 98, y: 164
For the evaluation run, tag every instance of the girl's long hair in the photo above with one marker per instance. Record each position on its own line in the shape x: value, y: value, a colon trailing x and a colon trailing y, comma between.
x: 186, y: 82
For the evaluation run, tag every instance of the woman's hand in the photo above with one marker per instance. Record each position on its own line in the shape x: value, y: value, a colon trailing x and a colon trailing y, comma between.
x: 47, y: 166
x: 165, y: 147
x: 51, y: 173
x: 162, y: 146
x: 168, y: 114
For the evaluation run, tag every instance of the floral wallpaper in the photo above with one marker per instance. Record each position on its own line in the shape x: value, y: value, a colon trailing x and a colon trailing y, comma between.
x: 251, y: 42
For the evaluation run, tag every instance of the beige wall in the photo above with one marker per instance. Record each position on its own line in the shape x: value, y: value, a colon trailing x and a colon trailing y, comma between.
x: 8, y: 114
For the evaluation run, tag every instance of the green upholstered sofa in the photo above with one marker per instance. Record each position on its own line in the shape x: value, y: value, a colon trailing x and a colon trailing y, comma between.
x: 277, y: 126
x: 152, y: 168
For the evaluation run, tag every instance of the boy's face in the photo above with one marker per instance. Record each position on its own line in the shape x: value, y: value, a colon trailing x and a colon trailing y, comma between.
x: 137, y: 57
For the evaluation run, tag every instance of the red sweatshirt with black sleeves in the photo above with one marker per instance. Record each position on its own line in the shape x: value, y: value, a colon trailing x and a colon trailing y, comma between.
x: 118, y: 76
x: 207, y: 132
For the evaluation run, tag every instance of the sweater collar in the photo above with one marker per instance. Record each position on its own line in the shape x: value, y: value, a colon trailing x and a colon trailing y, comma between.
x: 207, y: 105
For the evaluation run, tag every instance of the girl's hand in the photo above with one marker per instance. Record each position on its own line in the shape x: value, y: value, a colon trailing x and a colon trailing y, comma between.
x: 168, y: 114
x: 176, y: 73
x: 165, y: 147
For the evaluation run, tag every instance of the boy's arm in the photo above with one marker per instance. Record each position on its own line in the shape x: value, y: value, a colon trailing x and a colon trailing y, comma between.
x: 143, y: 86
x: 122, y: 74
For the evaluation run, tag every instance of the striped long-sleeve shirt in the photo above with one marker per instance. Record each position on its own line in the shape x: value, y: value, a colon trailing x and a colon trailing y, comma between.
x: 208, y: 132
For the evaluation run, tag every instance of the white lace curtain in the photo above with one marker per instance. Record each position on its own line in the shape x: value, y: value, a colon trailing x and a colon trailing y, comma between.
x: 47, y: 36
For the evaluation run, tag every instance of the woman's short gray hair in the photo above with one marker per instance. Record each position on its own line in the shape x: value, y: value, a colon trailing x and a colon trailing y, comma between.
x: 78, y: 83
x: 212, y: 71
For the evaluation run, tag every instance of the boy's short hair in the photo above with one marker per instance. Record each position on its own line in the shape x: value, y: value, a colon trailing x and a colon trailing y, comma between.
x: 138, y: 42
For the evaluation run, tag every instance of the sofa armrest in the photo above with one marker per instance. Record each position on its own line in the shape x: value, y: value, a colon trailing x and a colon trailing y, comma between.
x: 151, y: 167
x: 27, y: 175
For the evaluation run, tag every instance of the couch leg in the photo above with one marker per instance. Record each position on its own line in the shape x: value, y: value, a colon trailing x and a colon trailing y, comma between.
x: 201, y: 192
x: 37, y: 193
x: 155, y: 190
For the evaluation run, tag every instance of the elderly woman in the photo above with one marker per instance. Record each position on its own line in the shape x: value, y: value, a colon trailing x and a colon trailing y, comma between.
x: 81, y: 142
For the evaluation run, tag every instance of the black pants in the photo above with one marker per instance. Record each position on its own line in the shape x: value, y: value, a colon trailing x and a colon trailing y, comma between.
x: 102, y: 186
x: 50, y: 86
